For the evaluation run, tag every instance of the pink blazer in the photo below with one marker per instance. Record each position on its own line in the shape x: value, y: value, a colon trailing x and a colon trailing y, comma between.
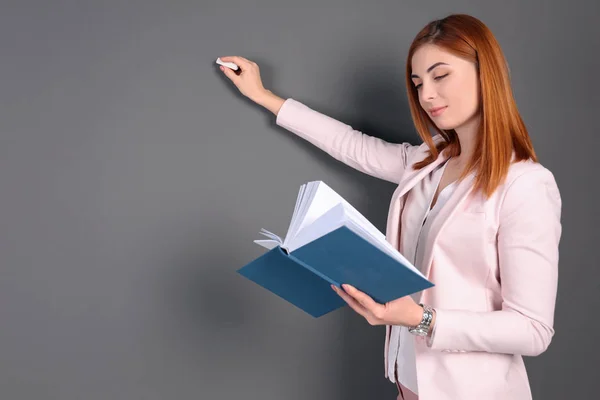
x: 494, y: 262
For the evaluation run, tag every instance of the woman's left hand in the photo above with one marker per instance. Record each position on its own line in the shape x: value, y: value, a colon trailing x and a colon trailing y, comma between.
x: 403, y: 311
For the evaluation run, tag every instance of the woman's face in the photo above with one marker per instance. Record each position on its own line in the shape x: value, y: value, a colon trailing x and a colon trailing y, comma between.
x: 447, y: 85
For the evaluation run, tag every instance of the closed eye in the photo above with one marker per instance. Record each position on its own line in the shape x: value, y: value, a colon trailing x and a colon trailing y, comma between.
x: 437, y: 78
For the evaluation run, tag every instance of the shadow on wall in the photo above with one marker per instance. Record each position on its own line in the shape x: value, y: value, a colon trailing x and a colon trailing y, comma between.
x: 378, y: 107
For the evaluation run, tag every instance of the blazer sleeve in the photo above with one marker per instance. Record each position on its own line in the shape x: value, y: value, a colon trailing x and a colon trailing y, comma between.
x: 368, y: 154
x: 528, y: 239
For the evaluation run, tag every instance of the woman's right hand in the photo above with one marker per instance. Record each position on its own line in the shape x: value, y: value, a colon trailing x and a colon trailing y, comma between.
x: 248, y: 81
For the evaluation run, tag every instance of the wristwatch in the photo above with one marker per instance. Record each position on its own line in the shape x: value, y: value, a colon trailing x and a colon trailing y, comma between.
x: 425, y: 325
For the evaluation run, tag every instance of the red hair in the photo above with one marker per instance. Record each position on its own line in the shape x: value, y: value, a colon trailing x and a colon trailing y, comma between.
x: 502, y: 130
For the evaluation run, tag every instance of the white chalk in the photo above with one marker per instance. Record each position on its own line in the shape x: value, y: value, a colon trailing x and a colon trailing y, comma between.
x: 230, y: 65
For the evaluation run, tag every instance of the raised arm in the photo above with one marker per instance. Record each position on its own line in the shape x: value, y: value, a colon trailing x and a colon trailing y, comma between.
x: 368, y: 154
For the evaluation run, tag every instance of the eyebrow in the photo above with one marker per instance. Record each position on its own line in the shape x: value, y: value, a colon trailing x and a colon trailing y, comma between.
x: 429, y: 69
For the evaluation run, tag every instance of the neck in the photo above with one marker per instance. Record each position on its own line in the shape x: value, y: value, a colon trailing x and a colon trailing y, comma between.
x: 467, y: 137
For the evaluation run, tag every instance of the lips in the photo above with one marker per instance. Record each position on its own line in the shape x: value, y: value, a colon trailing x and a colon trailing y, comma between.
x: 436, y: 111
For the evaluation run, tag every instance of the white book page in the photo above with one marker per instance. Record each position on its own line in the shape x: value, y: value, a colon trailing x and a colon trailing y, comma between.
x: 270, y: 235
x: 322, y: 198
x: 303, y: 203
x: 314, y: 198
x: 344, y: 215
x: 334, y: 218
x: 299, y: 200
x: 320, y: 210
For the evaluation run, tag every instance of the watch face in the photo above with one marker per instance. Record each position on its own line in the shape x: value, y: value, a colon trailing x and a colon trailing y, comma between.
x: 419, y: 333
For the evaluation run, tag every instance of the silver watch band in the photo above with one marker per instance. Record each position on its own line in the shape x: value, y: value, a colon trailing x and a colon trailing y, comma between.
x: 425, y: 325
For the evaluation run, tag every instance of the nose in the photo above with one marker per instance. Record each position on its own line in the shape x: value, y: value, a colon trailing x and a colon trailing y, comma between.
x: 428, y: 91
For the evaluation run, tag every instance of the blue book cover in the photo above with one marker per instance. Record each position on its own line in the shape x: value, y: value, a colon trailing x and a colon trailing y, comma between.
x: 303, y: 277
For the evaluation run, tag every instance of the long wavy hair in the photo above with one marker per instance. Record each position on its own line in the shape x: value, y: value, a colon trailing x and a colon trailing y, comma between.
x: 502, y: 131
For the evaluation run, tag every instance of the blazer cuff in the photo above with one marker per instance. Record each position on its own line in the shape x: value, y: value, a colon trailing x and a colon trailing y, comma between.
x: 430, y: 338
x: 443, y: 336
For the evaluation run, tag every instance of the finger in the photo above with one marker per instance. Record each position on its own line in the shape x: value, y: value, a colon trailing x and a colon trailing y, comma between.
x: 351, y: 302
x: 230, y: 74
x: 362, y: 298
x: 248, y: 61
x: 240, y: 61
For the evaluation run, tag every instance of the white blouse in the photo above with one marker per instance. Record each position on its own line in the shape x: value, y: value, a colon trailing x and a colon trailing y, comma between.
x: 401, y: 350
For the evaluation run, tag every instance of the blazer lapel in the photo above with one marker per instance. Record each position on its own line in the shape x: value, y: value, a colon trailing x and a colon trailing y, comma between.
x: 393, y: 223
x: 461, y: 192
x: 415, y: 176
x: 408, y: 182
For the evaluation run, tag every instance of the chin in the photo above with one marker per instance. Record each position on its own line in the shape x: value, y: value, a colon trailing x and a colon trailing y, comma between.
x: 446, y: 122
x: 446, y: 126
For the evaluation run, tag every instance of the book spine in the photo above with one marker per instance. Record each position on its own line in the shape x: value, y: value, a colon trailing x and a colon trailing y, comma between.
x: 314, y: 271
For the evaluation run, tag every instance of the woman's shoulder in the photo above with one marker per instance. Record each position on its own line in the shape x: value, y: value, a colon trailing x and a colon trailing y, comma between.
x: 419, y: 152
x: 529, y: 171
x: 528, y: 181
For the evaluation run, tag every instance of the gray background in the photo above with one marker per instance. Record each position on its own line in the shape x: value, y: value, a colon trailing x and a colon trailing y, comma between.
x: 134, y: 177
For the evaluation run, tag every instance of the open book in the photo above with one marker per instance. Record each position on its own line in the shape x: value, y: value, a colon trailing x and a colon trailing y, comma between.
x: 329, y: 242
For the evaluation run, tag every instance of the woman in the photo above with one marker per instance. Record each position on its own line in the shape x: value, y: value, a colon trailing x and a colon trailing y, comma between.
x: 473, y: 210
